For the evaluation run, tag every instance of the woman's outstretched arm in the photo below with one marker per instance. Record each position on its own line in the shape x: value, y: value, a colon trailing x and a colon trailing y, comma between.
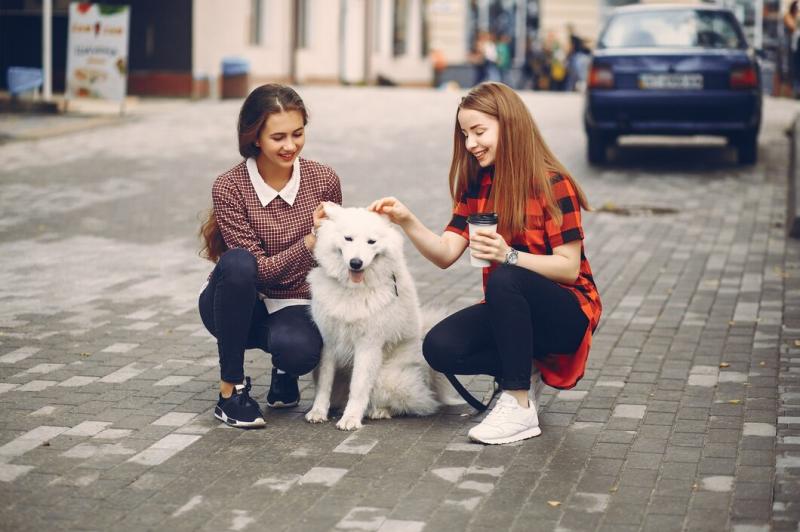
x: 442, y: 250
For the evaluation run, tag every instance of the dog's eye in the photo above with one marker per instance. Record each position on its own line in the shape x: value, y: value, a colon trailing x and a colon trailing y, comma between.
x: 370, y: 241
x: 349, y: 238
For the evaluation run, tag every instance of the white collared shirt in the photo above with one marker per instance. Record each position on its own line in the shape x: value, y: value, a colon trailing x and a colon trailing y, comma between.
x: 265, y: 192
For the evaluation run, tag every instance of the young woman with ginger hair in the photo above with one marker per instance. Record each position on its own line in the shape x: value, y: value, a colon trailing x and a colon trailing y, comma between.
x: 541, y: 304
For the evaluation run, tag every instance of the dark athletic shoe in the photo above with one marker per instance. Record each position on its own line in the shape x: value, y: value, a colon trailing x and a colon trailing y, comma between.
x: 240, y: 410
x: 283, y: 390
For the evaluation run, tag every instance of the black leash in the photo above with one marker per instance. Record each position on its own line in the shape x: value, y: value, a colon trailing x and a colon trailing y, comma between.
x: 468, y: 397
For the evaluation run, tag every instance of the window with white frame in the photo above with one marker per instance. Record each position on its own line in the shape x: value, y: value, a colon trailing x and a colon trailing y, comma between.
x: 400, y: 27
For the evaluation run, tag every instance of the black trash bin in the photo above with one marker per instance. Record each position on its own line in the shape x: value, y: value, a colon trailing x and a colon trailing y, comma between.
x: 235, y: 77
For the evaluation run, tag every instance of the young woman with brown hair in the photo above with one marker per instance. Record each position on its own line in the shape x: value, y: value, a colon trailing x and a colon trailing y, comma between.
x: 261, y: 233
x: 541, y: 302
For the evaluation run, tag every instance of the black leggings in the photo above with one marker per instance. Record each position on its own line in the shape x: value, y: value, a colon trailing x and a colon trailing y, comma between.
x: 231, y: 311
x: 525, y: 316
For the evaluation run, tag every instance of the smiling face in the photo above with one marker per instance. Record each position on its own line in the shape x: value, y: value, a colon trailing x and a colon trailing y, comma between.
x: 480, y: 135
x: 281, y: 140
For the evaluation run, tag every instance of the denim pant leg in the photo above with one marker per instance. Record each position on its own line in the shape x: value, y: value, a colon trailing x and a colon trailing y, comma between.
x: 293, y: 340
x: 227, y: 309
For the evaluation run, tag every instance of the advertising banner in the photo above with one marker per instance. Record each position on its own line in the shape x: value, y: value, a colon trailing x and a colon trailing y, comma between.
x: 97, y: 51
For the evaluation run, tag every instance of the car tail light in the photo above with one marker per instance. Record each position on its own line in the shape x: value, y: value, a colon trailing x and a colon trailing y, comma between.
x: 744, y: 78
x: 601, y: 77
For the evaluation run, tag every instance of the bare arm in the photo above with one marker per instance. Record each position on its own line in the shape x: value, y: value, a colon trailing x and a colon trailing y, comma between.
x: 442, y: 250
x: 563, y: 266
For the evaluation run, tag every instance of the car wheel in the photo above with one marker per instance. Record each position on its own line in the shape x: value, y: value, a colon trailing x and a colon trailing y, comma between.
x: 596, y: 144
x: 747, y: 148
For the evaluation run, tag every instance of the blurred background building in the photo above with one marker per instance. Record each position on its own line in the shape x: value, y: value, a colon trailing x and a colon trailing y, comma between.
x: 180, y: 47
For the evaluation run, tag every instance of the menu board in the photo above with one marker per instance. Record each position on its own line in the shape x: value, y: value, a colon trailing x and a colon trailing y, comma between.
x: 97, y: 51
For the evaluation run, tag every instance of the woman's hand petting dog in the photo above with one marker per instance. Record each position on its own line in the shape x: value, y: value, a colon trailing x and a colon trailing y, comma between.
x: 488, y: 245
x: 317, y: 216
x: 397, y: 212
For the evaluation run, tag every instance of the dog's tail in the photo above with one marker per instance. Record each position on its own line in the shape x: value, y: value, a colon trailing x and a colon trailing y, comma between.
x: 445, y: 393
x: 430, y: 316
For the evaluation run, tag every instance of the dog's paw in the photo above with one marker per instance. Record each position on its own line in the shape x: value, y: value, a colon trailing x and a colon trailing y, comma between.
x: 380, y: 413
x: 316, y: 416
x: 349, y: 423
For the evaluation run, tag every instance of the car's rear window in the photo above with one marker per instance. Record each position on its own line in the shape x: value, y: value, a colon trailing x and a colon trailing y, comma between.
x: 672, y: 29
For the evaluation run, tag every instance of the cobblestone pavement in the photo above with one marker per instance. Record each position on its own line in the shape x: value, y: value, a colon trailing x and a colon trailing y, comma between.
x: 687, y: 419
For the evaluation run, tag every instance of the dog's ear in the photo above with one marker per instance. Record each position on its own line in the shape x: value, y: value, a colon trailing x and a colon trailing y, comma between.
x: 331, y: 209
x: 385, y: 217
x: 393, y: 239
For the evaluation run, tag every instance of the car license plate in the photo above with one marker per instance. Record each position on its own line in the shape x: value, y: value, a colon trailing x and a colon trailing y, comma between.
x: 671, y: 81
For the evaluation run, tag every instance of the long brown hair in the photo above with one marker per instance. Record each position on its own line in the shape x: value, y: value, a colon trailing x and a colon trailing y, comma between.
x: 256, y: 109
x: 523, y: 161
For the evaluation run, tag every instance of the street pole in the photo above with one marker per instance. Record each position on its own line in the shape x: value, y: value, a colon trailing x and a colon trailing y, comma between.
x: 522, y: 33
x: 758, y: 33
x: 368, y: 34
x: 293, y: 41
x: 47, y: 48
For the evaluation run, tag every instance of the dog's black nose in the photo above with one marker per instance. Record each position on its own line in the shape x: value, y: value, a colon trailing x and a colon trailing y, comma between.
x: 356, y: 264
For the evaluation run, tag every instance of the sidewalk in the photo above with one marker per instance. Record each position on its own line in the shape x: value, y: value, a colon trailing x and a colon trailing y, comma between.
x: 687, y: 418
x: 81, y: 115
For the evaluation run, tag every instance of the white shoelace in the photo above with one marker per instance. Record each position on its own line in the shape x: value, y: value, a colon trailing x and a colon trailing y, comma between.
x: 505, y: 404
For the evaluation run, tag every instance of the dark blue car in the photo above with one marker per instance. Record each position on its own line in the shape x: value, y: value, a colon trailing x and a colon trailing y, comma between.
x: 673, y: 70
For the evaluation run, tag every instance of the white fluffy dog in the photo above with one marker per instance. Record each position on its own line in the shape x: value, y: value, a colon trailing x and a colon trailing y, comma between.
x: 365, y: 304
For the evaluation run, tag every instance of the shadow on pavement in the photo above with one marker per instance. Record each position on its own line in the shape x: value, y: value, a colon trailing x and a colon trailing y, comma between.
x: 672, y: 158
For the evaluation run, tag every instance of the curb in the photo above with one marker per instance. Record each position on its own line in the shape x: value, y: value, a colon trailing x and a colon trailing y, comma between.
x: 793, y: 211
x: 20, y: 105
x: 56, y: 126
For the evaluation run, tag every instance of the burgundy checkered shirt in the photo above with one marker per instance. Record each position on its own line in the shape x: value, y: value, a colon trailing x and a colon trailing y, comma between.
x: 274, y: 234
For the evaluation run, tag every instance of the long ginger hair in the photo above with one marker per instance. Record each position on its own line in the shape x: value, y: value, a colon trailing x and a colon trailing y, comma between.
x: 523, y: 162
x: 256, y: 109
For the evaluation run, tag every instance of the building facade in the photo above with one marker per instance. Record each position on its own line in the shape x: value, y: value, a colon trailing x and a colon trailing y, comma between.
x: 314, y: 41
x: 178, y: 47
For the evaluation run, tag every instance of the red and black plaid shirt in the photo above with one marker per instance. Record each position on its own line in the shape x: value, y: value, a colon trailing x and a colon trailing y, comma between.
x: 540, y: 236
x: 274, y: 233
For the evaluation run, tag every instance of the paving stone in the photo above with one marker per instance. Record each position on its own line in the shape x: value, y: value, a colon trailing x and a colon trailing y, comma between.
x: 711, y: 500
x: 665, y: 505
x: 663, y: 523
x: 700, y: 519
x: 753, y: 490
x: 624, y: 514
x: 125, y: 370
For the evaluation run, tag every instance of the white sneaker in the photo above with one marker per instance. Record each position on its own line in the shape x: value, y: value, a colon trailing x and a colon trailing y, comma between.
x: 507, y: 422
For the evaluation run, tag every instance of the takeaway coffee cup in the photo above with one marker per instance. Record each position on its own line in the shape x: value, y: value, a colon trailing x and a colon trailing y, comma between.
x: 481, y: 220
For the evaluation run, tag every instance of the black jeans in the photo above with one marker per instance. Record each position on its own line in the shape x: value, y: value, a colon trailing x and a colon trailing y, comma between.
x: 231, y: 311
x: 525, y: 316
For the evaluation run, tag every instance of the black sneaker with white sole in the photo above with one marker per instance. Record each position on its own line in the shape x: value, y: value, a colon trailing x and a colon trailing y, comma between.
x: 240, y: 410
x: 283, y: 390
